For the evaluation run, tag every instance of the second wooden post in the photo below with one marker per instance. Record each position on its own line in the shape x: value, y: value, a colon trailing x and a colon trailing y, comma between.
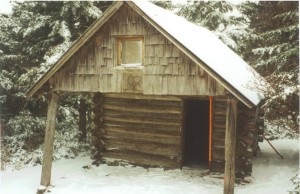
x: 230, y: 143
x: 49, y: 139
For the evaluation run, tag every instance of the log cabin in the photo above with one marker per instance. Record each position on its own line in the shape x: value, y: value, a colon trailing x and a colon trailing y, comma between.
x: 166, y: 92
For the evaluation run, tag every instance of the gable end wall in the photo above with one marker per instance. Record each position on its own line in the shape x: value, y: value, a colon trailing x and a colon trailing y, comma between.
x: 166, y: 70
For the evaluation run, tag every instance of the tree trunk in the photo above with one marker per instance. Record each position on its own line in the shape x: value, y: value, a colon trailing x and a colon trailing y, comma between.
x: 82, y: 119
x: 230, y: 143
x: 49, y: 139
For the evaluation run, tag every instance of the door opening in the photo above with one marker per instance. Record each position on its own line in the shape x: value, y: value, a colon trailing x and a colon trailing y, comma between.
x: 196, y: 133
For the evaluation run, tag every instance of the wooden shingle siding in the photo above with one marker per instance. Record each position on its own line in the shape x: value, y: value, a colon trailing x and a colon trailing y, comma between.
x: 165, y: 69
x: 144, y: 131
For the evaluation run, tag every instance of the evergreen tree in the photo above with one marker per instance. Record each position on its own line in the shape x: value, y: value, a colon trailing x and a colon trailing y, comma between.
x: 32, y: 38
x: 274, y: 53
x: 164, y: 4
x: 220, y: 17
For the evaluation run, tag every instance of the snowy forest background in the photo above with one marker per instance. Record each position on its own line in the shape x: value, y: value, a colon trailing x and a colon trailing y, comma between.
x: 36, y: 34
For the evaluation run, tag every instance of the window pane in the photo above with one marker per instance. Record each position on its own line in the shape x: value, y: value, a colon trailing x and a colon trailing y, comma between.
x: 131, y: 51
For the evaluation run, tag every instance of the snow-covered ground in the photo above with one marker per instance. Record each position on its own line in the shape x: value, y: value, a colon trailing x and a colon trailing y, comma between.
x: 270, y: 175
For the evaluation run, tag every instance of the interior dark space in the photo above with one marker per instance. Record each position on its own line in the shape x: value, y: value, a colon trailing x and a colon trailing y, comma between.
x: 196, y: 133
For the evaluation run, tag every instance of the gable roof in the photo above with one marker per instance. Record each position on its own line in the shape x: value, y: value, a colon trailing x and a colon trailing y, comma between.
x: 200, y: 44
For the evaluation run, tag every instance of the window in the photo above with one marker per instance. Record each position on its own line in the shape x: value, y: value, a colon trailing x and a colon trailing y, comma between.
x: 130, y: 51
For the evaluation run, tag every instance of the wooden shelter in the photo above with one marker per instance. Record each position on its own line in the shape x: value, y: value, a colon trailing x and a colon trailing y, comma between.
x: 166, y: 92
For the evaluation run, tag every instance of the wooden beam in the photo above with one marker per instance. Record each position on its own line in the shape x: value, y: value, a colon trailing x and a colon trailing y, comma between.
x: 210, y: 130
x: 49, y: 139
x: 230, y: 143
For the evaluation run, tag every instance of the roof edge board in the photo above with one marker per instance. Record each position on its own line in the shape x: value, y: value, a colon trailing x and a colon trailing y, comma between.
x: 89, y: 32
x: 199, y: 62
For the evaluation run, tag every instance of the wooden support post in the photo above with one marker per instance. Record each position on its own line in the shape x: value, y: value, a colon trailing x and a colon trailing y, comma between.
x: 210, y: 131
x: 82, y: 119
x: 230, y: 143
x: 49, y: 139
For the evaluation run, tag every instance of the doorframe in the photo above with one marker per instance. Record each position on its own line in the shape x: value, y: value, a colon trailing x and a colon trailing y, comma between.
x: 210, y: 99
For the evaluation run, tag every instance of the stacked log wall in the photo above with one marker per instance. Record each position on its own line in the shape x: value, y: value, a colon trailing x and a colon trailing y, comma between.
x: 97, y: 128
x: 218, y: 133
x: 247, y: 137
x: 142, y: 129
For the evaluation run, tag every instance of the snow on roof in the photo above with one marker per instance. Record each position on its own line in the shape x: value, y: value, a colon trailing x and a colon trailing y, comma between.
x: 209, y: 49
x: 216, y: 58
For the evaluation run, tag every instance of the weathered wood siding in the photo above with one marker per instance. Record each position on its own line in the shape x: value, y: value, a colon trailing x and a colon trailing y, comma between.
x: 246, y: 144
x: 218, y: 133
x: 166, y: 70
x: 143, y: 129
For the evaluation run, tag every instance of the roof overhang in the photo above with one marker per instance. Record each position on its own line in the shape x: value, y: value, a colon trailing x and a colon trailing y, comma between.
x: 88, y: 34
x: 196, y: 59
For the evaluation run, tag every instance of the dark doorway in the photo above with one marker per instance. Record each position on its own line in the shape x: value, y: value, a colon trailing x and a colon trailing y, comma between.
x: 196, y: 133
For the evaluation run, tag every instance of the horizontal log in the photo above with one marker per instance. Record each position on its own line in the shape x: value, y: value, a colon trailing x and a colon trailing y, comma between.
x: 141, y: 121
x: 141, y: 117
x: 219, y: 134
x: 142, y: 159
x: 218, y: 153
x: 219, y: 124
x: 173, y: 116
x: 142, y: 147
x: 219, y: 129
x: 220, y: 112
x: 217, y: 165
x: 139, y: 96
x: 147, y: 136
x: 146, y: 109
x: 218, y: 143
x: 159, y: 129
x: 147, y: 102
x: 220, y: 118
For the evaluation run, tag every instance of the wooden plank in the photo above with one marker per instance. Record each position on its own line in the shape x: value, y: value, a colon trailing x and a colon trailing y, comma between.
x: 141, y: 135
x: 146, y: 109
x: 161, y: 129
x: 49, y: 139
x: 120, y: 113
x: 149, y: 102
x: 142, y: 147
x: 217, y: 165
x: 139, y: 96
x: 230, y: 144
x: 141, y: 121
x: 143, y: 159
x: 218, y: 153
